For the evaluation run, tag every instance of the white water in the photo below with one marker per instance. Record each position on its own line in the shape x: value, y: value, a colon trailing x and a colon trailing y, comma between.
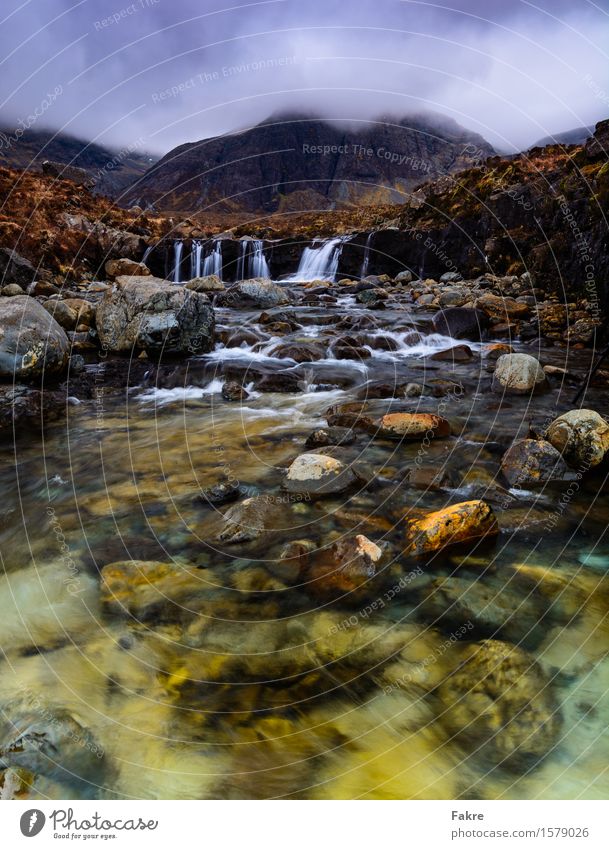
x: 196, y: 254
x: 364, y: 269
x: 258, y: 266
x: 320, y: 261
x: 212, y: 264
x: 178, y: 247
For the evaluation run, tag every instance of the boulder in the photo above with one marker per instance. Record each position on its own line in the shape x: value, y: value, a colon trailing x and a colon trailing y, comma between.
x: 125, y: 267
x: 211, y: 283
x: 156, y: 316
x: 533, y: 461
x: 404, y: 277
x: 249, y: 520
x: 32, y: 344
x: 500, y: 702
x: 462, y: 522
x: 456, y: 354
x: 501, y: 308
x: 11, y: 290
x: 347, y: 567
x: 318, y: 474
x: 15, y: 269
x: 410, y: 426
x: 330, y: 436
x: 461, y: 323
x: 582, y: 437
x: 519, y: 374
x: 300, y: 352
x: 62, y: 313
x: 256, y: 293
x: 234, y: 391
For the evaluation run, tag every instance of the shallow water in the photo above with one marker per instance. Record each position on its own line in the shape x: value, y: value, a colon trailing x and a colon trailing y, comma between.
x: 232, y: 679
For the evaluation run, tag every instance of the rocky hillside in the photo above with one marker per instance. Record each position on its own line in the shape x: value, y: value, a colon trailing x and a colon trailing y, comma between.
x: 298, y: 163
x: 109, y: 172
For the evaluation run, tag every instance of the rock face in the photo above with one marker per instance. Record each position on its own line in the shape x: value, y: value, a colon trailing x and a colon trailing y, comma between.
x: 461, y: 323
x: 253, y: 294
x: 519, y: 374
x: 153, y: 315
x: 582, y: 436
x: 312, y: 160
x: 500, y: 700
x: 533, y: 461
x: 32, y: 343
x: 318, y: 474
x: 462, y: 522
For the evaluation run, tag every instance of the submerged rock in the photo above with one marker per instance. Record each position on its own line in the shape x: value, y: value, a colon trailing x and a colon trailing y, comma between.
x: 532, y: 461
x: 32, y: 343
x: 330, y: 436
x: 143, y: 589
x: 519, y: 374
x: 582, y: 437
x: 156, y: 316
x: 500, y: 701
x: 248, y: 520
x: 234, y: 391
x: 318, y: 474
x: 220, y: 493
x: 462, y: 522
x: 348, y: 567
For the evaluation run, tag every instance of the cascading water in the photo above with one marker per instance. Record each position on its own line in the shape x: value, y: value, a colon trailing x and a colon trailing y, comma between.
x: 196, y: 253
x: 212, y: 264
x: 147, y: 253
x: 258, y: 266
x: 243, y: 246
x: 320, y: 261
x: 366, y: 261
x: 178, y: 247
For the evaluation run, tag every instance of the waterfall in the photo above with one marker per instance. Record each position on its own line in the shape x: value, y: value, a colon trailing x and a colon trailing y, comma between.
x: 243, y: 244
x: 320, y: 261
x: 147, y: 253
x: 258, y: 266
x: 364, y: 271
x: 212, y: 264
x: 196, y: 253
x: 178, y: 246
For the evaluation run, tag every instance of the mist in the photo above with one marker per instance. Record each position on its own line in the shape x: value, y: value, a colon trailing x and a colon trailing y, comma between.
x: 153, y: 74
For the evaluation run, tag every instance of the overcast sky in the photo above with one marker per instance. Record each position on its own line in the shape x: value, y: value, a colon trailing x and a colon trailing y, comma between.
x: 156, y: 73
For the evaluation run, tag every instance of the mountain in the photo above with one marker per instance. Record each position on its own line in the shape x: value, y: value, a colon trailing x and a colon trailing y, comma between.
x: 577, y: 136
x: 109, y: 171
x: 296, y: 162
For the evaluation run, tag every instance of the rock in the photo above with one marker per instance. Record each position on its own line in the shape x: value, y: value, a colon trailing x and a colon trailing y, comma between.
x: 330, y: 436
x: 501, y: 308
x: 278, y: 382
x: 450, y: 277
x: 369, y: 296
x: 533, y: 461
x: 48, y: 741
x: 220, y: 493
x: 32, y: 344
x: 429, y: 478
x: 519, y: 374
x: 156, y: 316
x: 456, y: 354
x: 11, y: 290
x: 496, y: 350
x: 500, y: 700
x: 404, y: 277
x: 318, y: 474
x: 15, y: 269
x: 461, y: 323
x: 256, y: 293
x: 125, y: 267
x: 349, y: 348
x: 82, y: 341
x: 233, y: 391
x: 582, y: 437
x: 211, y: 283
x: 410, y: 426
x: 348, y: 567
x: 248, y: 520
x: 462, y: 522
x: 62, y: 313
x: 145, y: 589
x: 28, y: 407
x: 413, y: 390
x: 584, y: 331
x: 300, y: 352
x: 85, y: 310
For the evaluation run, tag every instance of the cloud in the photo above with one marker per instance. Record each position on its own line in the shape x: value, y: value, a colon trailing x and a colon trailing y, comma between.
x: 170, y: 71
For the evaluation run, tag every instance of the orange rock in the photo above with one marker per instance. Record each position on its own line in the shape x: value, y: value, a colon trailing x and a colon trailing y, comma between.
x: 468, y: 520
x: 411, y: 426
x: 348, y: 567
